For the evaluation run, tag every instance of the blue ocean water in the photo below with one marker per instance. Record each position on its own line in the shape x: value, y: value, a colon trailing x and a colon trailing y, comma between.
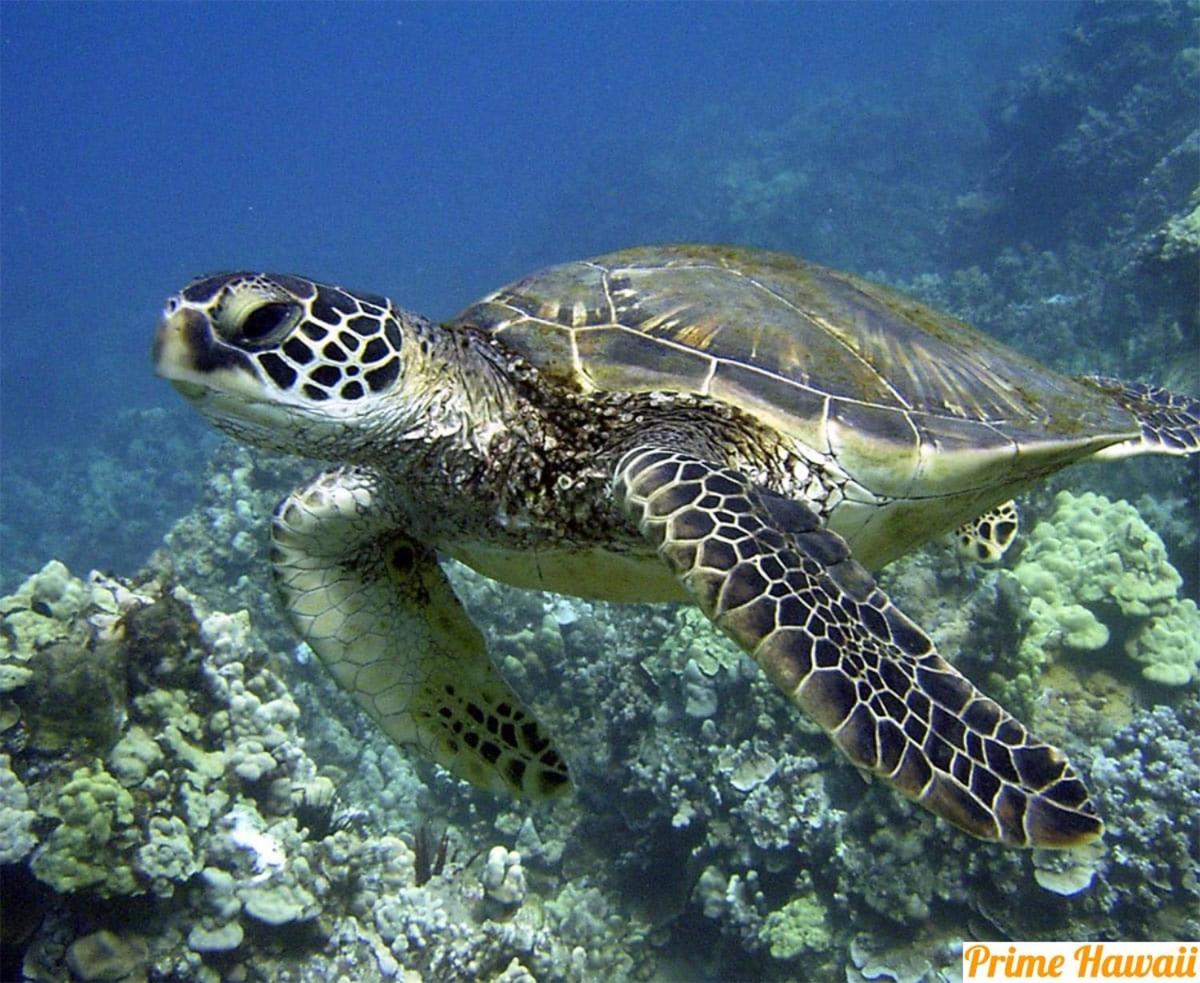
x: 1030, y: 167
x: 426, y: 151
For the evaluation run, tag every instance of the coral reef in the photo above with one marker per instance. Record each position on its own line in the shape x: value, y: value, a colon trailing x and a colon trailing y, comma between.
x: 1150, y: 774
x: 1094, y: 567
x: 1179, y: 237
x: 796, y: 929
x: 218, y: 548
x: 189, y: 807
x: 16, y: 818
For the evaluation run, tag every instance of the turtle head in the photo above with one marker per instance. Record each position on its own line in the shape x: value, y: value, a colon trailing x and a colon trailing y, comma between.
x: 286, y: 363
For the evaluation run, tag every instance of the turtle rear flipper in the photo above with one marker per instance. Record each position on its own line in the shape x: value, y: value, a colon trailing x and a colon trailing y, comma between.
x: 786, y: 589
x: 1170, y: 422
x: 987, y: 537
x: 376, y: 608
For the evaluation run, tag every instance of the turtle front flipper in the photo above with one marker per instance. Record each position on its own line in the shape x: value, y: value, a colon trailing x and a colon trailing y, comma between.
x: 787, y: 591
x: 376, y: 608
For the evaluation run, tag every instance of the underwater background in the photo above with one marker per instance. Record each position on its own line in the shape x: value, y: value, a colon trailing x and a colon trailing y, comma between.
x: 183, y: 792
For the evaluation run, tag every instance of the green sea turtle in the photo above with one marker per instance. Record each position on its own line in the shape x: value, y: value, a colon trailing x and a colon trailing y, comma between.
x: 727, y: 426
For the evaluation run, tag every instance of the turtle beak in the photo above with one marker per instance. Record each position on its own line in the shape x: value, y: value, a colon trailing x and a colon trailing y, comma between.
x: 174, y: 342
x: 188, y: 354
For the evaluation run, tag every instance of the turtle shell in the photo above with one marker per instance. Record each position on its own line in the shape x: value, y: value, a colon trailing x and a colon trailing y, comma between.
x: 907, y: 399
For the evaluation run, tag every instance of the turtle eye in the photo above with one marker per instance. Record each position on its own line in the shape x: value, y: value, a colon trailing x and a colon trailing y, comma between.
x: 268, y: 323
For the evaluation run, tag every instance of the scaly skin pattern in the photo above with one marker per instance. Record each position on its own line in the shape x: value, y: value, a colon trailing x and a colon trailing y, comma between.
x: 375, y: 606
x: 788, y: 593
